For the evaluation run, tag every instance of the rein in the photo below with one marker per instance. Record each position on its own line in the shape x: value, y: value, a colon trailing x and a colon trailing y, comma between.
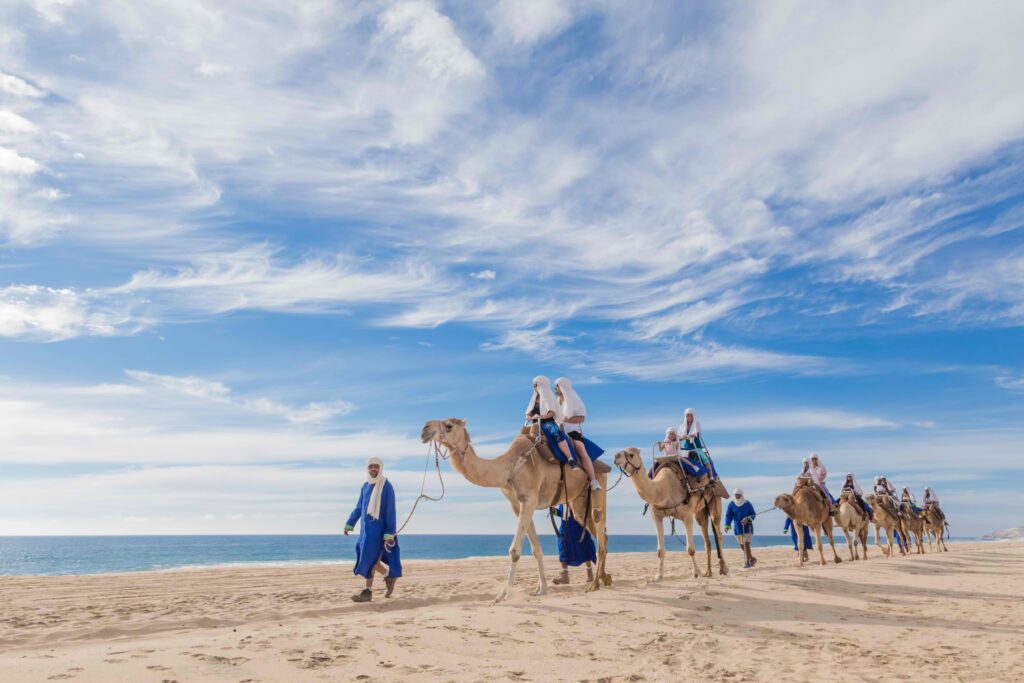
x: 438, y: 456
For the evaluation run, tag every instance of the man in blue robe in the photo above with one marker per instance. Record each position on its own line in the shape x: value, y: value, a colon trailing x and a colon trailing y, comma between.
x: 741, y: 513
x: 377, y: 547
x: 575, y: 546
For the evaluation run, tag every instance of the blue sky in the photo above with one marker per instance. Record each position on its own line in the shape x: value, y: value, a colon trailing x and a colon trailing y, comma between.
x: 243, y: 247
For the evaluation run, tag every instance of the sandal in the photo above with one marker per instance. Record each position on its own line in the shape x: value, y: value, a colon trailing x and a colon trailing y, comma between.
x: 365, y: 596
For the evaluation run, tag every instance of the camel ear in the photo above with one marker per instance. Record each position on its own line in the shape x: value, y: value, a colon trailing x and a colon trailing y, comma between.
x: 461, y: 422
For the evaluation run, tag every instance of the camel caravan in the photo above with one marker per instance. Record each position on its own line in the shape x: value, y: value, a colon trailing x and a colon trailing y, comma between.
x: 550, y: 464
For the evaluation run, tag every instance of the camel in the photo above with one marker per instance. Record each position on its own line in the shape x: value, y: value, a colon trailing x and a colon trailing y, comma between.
x: 935, y: 526
x: 667, y: 497
x: 808, y: 506
x: 887, y: 519
x: 530, y: 482
x: 913, y: 526
x: 854, y: 522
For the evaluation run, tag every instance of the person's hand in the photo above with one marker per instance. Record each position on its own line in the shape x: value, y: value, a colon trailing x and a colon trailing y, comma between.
x: 347, y: 531
x: 728, y: 527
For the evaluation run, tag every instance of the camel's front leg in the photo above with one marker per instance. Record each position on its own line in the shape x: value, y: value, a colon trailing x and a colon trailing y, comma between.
x: 691, y: 547
x: 851, y: 543
x: 538, y: 554
x: 707, y: 542
x: 817, y: 537
x: 659, y: 529
x: 800, y: 545
x: 878, y: 542
x: 514, y: 550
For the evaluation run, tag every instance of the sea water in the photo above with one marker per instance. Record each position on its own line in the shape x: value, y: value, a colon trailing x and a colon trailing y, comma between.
x: 67, y: 555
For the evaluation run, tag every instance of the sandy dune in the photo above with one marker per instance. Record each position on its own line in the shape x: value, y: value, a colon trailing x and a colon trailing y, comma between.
x: 950, y: 617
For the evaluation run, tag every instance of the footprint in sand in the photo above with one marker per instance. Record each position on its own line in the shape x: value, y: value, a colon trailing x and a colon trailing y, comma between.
x: 157, y: 667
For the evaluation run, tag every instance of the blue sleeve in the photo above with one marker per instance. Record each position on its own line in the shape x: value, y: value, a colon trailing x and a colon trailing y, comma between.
x: 789, y: 524
x: 354, y: 517
x: 730, y: 514
x: 387, y: 505
x: 751, y: 512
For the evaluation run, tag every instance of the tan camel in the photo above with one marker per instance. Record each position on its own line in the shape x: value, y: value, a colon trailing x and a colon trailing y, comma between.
x: 854, y: 522
x: 530, y: 483
x: 913, y: 525
x: 668, y: 497
x: 935, y: 526
x: 887, y: 521
x: 807, y: 506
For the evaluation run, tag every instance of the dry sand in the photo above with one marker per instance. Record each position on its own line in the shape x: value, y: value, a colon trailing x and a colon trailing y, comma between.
x: 957, y: 616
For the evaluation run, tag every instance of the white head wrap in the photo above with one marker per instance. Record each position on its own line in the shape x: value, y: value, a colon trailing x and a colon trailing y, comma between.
x: 670, y: 430
x: 738, y: 493
x: 573, y: 406
x: 547, y: 401
x: 373, y: 508
x: 693, y: 428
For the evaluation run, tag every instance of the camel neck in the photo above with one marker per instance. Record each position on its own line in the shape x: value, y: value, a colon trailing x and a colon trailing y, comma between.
x: 482, y: 471
x: 653, y: 491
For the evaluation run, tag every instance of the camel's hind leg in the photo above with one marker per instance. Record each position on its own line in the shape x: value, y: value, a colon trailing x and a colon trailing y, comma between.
x: 702, y: 519
x: 817, y: 537
x: 597, y: 526
x: 716, y: 529
x: 851, y: 543
x: 538, y: 554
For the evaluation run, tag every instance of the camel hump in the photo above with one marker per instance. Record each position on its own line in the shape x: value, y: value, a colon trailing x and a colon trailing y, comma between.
x: 601, y: 467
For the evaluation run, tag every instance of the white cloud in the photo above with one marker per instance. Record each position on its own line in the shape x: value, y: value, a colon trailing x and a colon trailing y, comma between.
x: 18, y: 87
x: 13, y: 124
x: 12, y: 162
x: 211, y: 70
x: 524, y: 22
x: 484, y: 275
x: 671, y: 362
x: 46, y: 314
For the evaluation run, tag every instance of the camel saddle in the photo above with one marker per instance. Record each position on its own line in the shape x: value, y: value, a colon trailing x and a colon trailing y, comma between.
x: 803, y: 482
x: 545, y: 451
x: 689, y: 482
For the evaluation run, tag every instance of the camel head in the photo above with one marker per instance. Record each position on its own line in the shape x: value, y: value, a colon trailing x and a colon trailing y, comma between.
x: 847, y: 497
x: 784, y: 502
x: 870, y: 498
x: 450, y: 433
x: 628, y: 460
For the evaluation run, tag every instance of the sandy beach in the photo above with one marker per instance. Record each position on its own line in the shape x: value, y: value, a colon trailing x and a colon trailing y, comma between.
x: 940, y: 617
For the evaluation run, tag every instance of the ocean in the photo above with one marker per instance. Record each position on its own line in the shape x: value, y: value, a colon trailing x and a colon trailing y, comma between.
x: 70, y: 555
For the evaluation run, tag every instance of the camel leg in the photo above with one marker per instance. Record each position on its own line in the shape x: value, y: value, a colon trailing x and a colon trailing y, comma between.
x: 716, y: 529
x: 691, y: 547
x: 864, y: 541
x: 703, y: 520
x: 878, y: 542
x: 851, y: 543
x: 597, y: 527
x: 817, y: 537
x: 538, y: 554
x: 800, y: 545
x: 659, y: 530
x: 827, y: 526
x: 514, y: 550
x: 929, y: 534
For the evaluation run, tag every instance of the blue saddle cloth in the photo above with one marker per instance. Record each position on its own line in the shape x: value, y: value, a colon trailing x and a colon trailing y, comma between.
x: 554, y: 435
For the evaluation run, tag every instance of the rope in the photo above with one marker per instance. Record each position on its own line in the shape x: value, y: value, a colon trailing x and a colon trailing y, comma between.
x: 423, y: 485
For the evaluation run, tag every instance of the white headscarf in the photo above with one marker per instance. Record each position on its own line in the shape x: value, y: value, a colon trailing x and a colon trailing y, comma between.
x: 547, y: 400
x: 573, y: 406
x: 693, y: 429
x: 929, y: 496
x: 738, y: 494
x: 906, y: 490
x: 670, y: 447
x: 853, y: 482
x: 818, y: 471
x: 373, y: 508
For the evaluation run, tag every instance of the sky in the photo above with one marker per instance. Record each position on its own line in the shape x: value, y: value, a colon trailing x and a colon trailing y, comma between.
x: 246, y: 245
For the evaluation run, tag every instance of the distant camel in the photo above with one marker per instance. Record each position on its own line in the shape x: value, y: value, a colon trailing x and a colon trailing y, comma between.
x: 913, y: 525
x: 808, y: 506
x: 935, y: 526
x: 887, y: 520
x: 854, y: 522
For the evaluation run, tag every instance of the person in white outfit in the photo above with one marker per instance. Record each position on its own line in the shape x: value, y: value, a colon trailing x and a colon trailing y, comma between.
x: 574, y: 413
x: 670, y: 446
x: 819, y: 474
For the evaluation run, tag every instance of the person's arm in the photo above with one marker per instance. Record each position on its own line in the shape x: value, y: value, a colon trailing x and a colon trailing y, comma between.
x: 730, y: 515
x: 548, y: 415
x: 387, y: 505
x: 788, y: 525
x: 576, y: 419
x: 752, y: 514
x: 354, y: 517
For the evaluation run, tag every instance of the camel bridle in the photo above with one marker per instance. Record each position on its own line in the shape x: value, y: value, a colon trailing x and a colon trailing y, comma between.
x: 629, y: 463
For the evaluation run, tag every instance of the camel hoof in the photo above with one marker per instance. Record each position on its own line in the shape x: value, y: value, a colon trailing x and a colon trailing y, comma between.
x: 657, y: 578
x: 607, y: 578
x: 839, y: 560
x: 591, y: 587
x: 723, y: 571
x: 501, y: 597
x: 707, y: 574
x: 539, y: 591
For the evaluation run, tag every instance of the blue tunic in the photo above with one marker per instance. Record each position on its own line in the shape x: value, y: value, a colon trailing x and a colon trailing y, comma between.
x: 791, y: 528
x: 571, y: 550
x: 737, y: 513
x: 370, y: 546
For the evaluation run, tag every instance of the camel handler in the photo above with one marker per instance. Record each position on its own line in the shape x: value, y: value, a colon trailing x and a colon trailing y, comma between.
x: 377, y: 547
x: 790, y: 528
x: 572, y: 551
x: 741, y: 511
x: 692, y: 440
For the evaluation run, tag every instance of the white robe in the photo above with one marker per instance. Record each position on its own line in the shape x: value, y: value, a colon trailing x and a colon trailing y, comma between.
x: 572, y: 407
x: 548, y: 402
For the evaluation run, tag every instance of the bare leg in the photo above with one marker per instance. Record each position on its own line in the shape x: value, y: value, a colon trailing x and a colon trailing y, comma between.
x: 564, y: 447
x: 581, y: 455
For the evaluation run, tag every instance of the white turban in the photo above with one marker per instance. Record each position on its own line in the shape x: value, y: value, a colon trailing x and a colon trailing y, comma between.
x: 547, y: 401
x: 669, y: 431
x: 738, y: 493
x: 573, y: 406
x: 373, y: 508
x: 694, y: 427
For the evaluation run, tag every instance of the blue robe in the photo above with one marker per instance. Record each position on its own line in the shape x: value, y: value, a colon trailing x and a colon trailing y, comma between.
x: 370, y: 545
x: 808, y: 541
x: 737, y: 513
x: 555, y: 434
x: 571, y: 550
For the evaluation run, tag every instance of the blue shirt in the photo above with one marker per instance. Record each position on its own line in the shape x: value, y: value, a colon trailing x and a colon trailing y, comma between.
x: 737, y: 513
